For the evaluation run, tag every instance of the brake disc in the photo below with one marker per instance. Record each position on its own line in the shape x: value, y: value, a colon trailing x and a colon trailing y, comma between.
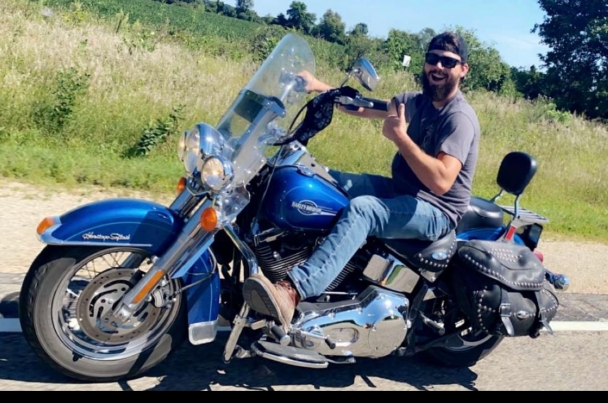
x: 102, y: 295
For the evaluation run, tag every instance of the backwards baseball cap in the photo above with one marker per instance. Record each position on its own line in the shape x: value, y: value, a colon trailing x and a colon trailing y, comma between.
x: 451, y: 42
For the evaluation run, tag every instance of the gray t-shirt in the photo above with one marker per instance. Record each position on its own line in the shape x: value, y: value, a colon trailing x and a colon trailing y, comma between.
x: 453, y: 129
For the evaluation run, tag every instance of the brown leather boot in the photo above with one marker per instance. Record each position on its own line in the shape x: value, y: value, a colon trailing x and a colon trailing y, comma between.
x: 276, y: 300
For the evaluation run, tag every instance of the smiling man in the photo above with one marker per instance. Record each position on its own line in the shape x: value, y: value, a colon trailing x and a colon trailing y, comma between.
x: 437, y: 134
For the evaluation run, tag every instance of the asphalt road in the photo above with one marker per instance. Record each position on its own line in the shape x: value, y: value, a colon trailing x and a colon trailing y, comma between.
x: 566, y: 360
x: 563, y: 361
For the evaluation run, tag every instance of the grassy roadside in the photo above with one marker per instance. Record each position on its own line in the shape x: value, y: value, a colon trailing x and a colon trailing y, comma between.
x: 76, y: 98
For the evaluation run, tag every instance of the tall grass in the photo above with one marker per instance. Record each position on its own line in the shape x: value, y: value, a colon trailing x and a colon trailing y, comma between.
x: 76, y: 96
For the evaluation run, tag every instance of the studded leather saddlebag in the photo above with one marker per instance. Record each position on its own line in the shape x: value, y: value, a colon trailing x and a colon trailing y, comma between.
x: 502, y: 289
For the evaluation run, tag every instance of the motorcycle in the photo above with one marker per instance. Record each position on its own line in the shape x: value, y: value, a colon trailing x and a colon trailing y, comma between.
x: 255, y: 200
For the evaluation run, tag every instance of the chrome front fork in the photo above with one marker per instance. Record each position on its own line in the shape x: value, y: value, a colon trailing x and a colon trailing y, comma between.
x: 241, y: 320
x: 191, y: 240
x: 188, y: 247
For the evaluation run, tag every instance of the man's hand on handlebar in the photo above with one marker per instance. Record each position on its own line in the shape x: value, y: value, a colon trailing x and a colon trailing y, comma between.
x: 313, y: 84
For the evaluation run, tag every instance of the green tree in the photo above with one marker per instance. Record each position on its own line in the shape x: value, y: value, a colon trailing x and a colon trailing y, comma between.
x: 360, y: 29
x: 244, y: 5
x: 401, y: 43
x: 488, y: 70
x: 425, y: 36
x: 530, y: 83
x: 299, y: 18
x: 331, y: 28
x: 576, y: 31
x: 244, y: 11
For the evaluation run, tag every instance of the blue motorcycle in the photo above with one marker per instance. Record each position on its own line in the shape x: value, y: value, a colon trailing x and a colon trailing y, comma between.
x: 121, y: 283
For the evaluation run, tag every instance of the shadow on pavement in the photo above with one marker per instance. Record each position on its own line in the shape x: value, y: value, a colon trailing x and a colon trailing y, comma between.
x: 9, y: 306
x: 201, y: 368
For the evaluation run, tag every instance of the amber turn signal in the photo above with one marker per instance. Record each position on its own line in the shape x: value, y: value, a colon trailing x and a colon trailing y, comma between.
x: 45, y: 224
x: 209, y: 219
x: 181, y: 185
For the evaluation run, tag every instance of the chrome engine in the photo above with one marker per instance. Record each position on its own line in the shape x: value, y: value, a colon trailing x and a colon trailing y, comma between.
x: 371, y: 325
x: 277, y: 255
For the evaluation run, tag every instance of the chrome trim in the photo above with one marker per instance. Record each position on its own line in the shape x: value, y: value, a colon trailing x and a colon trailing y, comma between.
x: 187, y: 200
x: 432, y: 293
x: 288, y: 361
x: 240, y: 321
x: 429, y: 275
x: 202, y: 333
x: 391, y: 273
x: 457, y: 343
x: 372, y: 325
x: 180, y: 201
x: 248, y: 254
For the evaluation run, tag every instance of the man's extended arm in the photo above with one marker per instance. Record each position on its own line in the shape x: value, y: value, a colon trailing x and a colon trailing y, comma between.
x: 436, y: 173
x: 315, y: 85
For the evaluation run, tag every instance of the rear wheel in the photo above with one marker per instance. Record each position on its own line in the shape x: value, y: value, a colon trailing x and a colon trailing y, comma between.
x: 464, y: 348
x: 64, y: 301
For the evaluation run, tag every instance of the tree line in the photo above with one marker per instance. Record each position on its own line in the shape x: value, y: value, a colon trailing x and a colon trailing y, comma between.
x: 573, y: 73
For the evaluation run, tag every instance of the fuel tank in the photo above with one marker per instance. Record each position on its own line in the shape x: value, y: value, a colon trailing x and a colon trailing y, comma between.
x: 299, y: 199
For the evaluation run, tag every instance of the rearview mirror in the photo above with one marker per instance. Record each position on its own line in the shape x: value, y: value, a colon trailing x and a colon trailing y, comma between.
x: 366, y: 74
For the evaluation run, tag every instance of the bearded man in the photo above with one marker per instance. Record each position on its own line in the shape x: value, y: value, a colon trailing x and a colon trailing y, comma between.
x: 436, y: 133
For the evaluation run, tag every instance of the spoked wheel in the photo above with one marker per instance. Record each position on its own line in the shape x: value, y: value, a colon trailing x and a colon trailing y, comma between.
x: 464, y: 348
x: 65, y: 305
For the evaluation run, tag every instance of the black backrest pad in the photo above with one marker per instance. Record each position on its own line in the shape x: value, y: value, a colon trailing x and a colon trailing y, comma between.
x: 516, y: 171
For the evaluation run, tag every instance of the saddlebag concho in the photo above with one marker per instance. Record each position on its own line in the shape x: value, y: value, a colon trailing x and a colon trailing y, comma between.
x: 502, y: 289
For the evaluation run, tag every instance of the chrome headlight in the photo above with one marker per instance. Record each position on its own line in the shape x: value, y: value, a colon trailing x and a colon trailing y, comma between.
x: 190, y: 151
x: 216, y: 173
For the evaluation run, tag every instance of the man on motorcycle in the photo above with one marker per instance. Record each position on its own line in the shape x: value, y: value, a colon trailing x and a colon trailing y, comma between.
x: 436, y: 133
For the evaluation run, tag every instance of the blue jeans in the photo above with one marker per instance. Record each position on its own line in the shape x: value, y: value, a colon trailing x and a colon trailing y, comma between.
x: 375, y: 209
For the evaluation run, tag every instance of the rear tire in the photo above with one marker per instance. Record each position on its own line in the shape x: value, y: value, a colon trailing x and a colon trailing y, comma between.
x: 464, y: 349
x: 451, y: 358
x: 66, y: 346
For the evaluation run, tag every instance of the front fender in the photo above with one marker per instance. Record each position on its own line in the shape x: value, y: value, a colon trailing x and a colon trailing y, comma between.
x: 116, y: 222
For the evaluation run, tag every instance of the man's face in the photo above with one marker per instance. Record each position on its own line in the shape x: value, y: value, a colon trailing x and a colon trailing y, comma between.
x: 442, y: 73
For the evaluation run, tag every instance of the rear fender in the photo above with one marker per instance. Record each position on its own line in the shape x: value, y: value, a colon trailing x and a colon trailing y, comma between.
x: 489, y: 234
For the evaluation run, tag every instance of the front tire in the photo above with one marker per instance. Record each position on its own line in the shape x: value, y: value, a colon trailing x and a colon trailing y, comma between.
x: 61, y: 315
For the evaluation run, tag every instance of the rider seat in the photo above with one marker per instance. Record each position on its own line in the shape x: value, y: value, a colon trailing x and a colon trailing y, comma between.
x: 515, y: 173
x: 431, y: 258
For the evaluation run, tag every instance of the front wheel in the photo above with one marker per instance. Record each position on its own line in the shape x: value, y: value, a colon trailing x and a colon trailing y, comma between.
x: 62, y: 307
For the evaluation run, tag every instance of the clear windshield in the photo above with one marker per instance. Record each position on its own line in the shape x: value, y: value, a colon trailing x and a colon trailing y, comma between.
x: 271, y: 99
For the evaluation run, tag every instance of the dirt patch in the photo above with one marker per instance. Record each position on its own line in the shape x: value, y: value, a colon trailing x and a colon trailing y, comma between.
x: 22, y: 206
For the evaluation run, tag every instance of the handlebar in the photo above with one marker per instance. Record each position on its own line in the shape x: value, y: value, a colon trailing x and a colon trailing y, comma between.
x: 354, y: 104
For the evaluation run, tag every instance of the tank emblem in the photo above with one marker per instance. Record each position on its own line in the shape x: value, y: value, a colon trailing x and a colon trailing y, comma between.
x: 307, y: 207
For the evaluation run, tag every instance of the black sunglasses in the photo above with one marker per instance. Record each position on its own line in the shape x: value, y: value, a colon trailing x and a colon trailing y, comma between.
x: 446, y: 61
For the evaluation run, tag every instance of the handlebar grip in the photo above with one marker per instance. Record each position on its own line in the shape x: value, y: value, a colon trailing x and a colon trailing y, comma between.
x: 379, y: 104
